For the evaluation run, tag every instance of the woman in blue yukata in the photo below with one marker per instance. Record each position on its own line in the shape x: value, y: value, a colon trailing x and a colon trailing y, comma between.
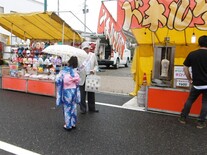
x: 68, y: 92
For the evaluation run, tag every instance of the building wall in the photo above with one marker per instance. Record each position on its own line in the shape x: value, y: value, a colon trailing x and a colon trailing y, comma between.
x: 20, y: 6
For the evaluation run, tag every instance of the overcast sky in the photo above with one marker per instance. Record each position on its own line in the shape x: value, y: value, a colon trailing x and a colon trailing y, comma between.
x: 76, y: 6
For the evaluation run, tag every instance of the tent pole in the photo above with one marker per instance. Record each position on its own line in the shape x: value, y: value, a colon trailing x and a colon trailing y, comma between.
x: 11, y: 32
x: 153, y: 38
x: 63, y: 33
x: 73, y: 38
x: 24, y: 35
x: 185, y: 37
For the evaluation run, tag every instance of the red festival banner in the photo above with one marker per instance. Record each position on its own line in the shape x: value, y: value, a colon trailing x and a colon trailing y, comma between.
x: 108, y: 26
x: 154, y: 14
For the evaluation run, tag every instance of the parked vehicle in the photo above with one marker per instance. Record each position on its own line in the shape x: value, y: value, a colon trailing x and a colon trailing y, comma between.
x: 109, y: 56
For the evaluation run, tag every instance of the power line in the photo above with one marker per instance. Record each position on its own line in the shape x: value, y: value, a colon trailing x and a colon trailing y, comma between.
x: 77, y: 19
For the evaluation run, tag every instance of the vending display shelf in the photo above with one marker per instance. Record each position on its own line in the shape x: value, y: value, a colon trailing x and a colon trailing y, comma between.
x: 42, y: 87
x: 12, y: 83
x: 28, y: 85
x: 170, y: 100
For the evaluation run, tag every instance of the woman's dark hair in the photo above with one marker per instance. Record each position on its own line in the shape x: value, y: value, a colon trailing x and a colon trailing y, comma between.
x: 73, y: 62
x: 202, y: 41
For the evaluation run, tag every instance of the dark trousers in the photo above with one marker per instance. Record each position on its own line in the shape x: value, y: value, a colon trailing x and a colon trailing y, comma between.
x: 194, y: 93
x: 90, y: 97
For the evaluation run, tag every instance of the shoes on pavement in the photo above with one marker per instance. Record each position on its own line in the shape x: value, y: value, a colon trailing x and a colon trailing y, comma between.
x: 83, y: 112
x: 201, y: 125
x: 95, y: 110
x: 67, y: 129
x: 182, y: 120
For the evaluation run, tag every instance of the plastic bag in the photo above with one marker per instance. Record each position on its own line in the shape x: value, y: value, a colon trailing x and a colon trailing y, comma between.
x: 93, y: 83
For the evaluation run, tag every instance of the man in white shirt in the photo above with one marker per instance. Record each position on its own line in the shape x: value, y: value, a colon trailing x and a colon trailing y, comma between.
x: 90, y: 67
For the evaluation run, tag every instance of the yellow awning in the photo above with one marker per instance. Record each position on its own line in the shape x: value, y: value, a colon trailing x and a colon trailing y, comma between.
x: 39, y: 26
x: 145, y: 36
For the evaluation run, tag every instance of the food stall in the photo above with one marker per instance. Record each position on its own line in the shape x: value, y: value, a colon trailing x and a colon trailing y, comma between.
x: 4, y: 39
x: 26, y: 70
x: 164, y: 40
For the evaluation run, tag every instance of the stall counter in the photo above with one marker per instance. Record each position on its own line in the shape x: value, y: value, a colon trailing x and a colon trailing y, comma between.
x: 12, y: 83
x: 170, y: 100
x: 43, y: 87
x: 29, y: 85
x: 0, y: 77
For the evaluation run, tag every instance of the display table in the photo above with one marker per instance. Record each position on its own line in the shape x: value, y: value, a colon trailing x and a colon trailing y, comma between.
x: 18, y: 84
x: 43, y: 87
x: 35, y: 86
x: 0, y: 77
x: 170, y: 100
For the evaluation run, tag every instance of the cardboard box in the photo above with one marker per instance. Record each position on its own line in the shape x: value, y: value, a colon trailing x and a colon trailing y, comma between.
x: 5, y: 70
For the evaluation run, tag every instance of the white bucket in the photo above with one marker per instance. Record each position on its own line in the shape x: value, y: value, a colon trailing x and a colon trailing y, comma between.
x: 141, y: 98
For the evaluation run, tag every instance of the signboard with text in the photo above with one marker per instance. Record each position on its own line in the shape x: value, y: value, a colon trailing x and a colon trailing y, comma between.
x: 182, y: 83
x: 173, y: 14
x: 180, y: 80
x: 179, y: 73
x: 108, y: 26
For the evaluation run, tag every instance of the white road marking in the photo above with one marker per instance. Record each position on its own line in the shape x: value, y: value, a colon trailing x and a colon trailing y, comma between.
x: 109, y: 105
x: 131, y: 105
x: 15, y: 150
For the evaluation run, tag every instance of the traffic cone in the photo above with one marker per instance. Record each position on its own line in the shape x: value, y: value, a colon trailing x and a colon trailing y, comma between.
x: 144, y: 82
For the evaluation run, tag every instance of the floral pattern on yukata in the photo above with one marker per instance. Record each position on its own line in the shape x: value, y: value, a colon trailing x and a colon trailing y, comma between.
x: 69, y: 97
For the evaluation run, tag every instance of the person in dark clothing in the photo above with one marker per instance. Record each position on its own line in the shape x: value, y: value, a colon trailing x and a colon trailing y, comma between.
x: 197, y: 60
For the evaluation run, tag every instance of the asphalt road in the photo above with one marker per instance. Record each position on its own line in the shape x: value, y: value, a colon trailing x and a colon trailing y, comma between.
x: 117, y: 81
x: 32, y: 122
x: 120, y: 72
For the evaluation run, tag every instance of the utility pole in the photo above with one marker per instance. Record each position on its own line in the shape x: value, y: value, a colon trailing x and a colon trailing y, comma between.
x: 58, y: 5
x: 45, y: 5
x: 85, y: 10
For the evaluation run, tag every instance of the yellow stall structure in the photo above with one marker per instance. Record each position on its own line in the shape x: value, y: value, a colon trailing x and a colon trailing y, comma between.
x: 144, y: 52
x: 36, y: 26
x: 39, y: 26
x: 165, y: 31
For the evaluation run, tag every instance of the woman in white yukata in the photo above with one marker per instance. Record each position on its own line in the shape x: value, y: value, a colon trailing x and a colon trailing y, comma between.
x: 68, y: 92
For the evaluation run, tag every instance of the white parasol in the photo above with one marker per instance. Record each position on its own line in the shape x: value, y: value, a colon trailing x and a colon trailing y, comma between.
x: 66, y: 51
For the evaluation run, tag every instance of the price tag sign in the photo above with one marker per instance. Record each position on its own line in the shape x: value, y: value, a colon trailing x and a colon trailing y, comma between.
x: 182, y: 83
x: 179, y: 73
x: 180, y: 80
